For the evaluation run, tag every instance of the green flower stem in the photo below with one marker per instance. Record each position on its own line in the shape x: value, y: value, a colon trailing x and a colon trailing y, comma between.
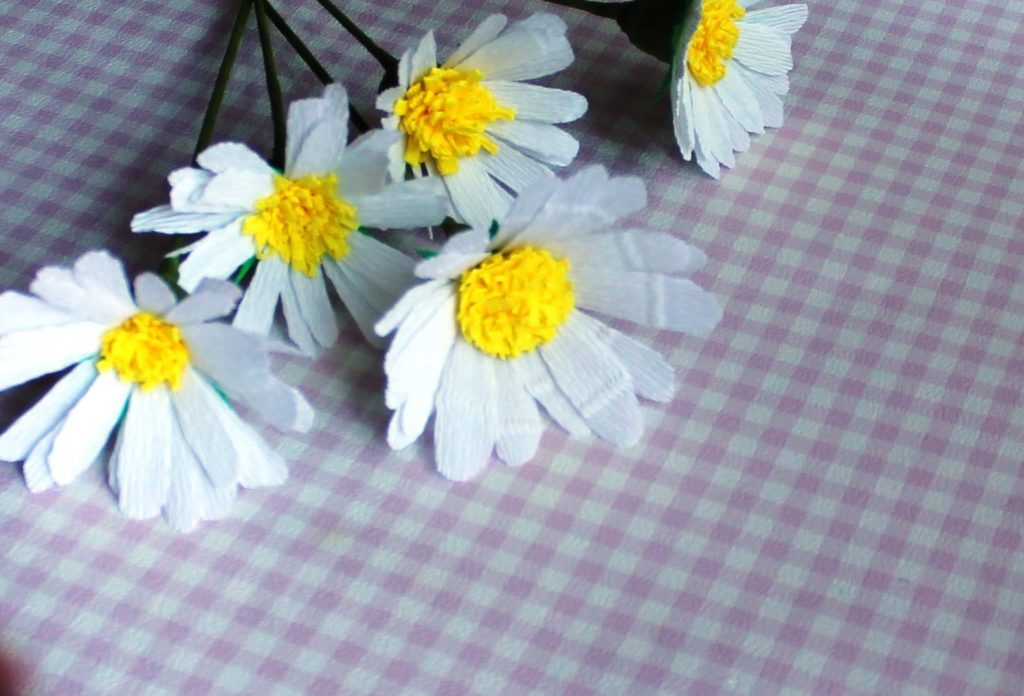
x: 310, y: 60
x: 223, y: 75
x: 386, y: 60
x: 273, y: 84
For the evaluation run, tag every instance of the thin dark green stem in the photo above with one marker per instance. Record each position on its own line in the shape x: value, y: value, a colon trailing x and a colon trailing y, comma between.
x: 310, y: 60
x: 223, y: 75
x: 273, y: 85
x: 386, y: 60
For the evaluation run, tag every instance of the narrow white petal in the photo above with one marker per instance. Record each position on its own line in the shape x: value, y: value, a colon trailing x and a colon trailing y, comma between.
x: 211, y: 300
x: 258, y: 464
x: 315, y: 307
x: 449, y: 266
x: 414, y: 369
x: 238, y: 363
x: 740, y: 102
x: 322, y: 150
x: 28, y: 354
x: 299, y: 331
x: 143, y: 459
x: 423, y: 58
x: 535, y: 376
x: 35, y: 469
x: 217, y: 255
x: 653, y: 377
x: 188, y: 186
x: 632, y: 250
x: 650, y: 299
x: 408, y: 303
x: 87, y: 427
x: 536, y: 103
x: 20, y: 312
x: 196, y: 405
x: 477, y: 200
x: 33, y: 425
x: 223, y: 157
x: 169, y: 221
x: 59, y: 287
x: 710, y: 140
x: 239, y: 190
x: 519, y: 424
x: 191, y: 496
x: 355, y: 293
x: 305, y: 115
x: 465, y: 427
x: 682, y: 106
x: 152, y: 294
x: 764, y: 49
x: 527, y: 206
x: 256, y: 311
x: 786, y: 18
x: 532, y: 48
x: 760, y: 86
x: 102, y: 277
x: 595, y: 382
x: 363, y: 170
x: 386, y: 99
x: 542, y: 141
x: 404, y: 205
x: 514, y: 169
x: 485, y: 32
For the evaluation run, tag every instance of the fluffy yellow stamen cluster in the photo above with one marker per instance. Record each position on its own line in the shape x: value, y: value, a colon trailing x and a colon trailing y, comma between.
x: 714, y: 40
x: 302, y: 220
x: 145, y: 350
x: 445, y: 115
x: 514, y: 301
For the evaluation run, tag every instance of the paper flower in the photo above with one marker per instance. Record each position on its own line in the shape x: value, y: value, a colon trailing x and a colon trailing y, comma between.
x: 474, y: 122
x: 157, y: 367
x: 503, y: 322
x: 300, y: 225
x: 728, y: 78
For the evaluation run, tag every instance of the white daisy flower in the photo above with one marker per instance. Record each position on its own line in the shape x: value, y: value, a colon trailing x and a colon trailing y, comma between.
x: 729, y: 76
x: 502, y: 323
x: 158, y: 368
x: 474, y: 122
x: 300, y: 225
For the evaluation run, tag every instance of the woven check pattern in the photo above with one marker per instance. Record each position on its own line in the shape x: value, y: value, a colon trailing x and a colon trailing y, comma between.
x: 833, y: 504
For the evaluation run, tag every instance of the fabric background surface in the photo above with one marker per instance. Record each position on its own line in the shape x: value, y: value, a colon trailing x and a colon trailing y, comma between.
x: 833, y: 504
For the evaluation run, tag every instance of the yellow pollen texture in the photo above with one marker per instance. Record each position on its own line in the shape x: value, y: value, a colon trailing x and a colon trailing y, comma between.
x: 145, y: 350
x: 445, y: 114
x: 714, y: 40
x: 514, y: 301
x: 302, y: 220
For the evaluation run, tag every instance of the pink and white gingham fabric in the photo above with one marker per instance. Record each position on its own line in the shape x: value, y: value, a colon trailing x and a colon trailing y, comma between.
x: 833, y: 504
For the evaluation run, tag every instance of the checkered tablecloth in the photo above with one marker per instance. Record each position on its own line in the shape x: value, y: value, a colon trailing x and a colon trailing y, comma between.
x: 833, y: 504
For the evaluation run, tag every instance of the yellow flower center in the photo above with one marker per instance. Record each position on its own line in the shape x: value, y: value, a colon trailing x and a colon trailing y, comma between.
x: 302, y: 220
x: 514, y: 301
x: 445, y: 115
x: 145, y: 350
x: 714, y: 41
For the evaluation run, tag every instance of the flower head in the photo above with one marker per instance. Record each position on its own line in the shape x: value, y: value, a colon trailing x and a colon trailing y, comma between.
x: 503, y: 321
x: 300, y: 225
x: 157, y: 371
x: 475, y: 123
x: 728, y: 77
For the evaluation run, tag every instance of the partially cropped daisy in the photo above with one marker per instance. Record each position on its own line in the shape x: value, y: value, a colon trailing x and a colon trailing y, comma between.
x: 505, y: 321
x: 154, y: 369
x: 728, y: 77
x: 474, y: 122
x: 300, y: 225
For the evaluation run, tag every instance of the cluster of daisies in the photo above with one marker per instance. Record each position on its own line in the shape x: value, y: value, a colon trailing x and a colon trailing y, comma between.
x: 480, y: 335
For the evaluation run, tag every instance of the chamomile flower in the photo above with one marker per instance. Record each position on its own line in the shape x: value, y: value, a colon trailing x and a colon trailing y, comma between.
x: 475, y: 123
x: 503, y: 322
x: 728, y: 78
x: 300, y: 225
x: 156, y: 370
